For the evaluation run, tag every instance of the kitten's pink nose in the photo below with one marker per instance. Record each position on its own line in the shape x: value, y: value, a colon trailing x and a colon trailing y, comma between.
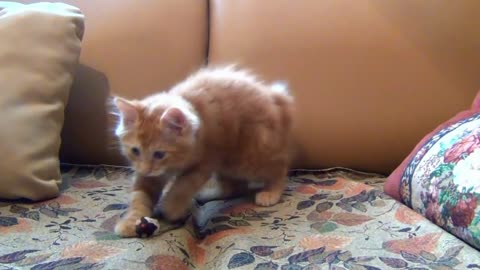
x: 144, y: 169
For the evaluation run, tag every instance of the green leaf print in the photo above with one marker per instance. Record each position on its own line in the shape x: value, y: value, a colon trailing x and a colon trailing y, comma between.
x: 443, y: 168
x: 324, y: 227
x: 448, y: 196
x: 475, y: 220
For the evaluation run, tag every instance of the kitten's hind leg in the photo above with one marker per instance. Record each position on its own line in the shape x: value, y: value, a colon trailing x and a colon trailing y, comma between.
x: 233, y: 187
x: 271, y: 194
x: 223, y: 187
x: 275, y: 182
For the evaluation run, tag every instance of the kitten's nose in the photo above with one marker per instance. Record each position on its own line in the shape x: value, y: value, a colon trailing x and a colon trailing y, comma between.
x: 144, y: 169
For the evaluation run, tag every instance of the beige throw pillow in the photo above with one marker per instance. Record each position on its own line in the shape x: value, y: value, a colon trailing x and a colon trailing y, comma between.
x: 39, y: 50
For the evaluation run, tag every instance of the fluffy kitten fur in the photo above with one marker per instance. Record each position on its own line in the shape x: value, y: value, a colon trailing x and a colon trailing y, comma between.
x: 221, y: 121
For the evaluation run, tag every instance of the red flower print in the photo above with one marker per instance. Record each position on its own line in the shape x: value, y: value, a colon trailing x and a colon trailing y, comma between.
x: 462, y: 149
x: 464, y: 212
x: 433, y: 213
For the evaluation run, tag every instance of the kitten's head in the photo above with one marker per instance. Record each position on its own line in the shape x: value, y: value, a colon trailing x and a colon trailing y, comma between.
x: 157, y: 134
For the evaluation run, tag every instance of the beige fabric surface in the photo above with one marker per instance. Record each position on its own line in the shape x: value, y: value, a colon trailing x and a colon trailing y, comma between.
x: 327, y: 219
x: 39, y: 49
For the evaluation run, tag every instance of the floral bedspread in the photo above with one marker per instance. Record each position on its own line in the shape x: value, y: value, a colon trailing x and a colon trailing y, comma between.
x: 330, y: 219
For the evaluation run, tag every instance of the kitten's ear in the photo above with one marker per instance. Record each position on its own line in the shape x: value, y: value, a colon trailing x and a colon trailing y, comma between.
x: 128, y: 111
x: 175, y: 120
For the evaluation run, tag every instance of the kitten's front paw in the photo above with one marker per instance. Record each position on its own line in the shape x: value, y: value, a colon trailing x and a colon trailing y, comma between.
x: 267, y: 198
x: 127, y: 227
x: 147, y: 227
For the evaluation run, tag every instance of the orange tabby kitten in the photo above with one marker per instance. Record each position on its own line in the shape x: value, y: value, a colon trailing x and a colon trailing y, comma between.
x: 221, y: 121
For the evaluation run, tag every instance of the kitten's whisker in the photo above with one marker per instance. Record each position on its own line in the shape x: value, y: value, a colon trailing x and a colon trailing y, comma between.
x: 115, y: 145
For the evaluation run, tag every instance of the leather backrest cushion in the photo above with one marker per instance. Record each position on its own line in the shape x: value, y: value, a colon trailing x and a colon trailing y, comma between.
x: 370, y: 78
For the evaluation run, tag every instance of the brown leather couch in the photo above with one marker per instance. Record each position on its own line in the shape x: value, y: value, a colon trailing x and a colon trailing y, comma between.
x: 370, y: 78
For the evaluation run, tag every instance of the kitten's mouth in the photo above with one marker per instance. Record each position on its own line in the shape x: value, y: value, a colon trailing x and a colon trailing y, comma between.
x: 153, y: 174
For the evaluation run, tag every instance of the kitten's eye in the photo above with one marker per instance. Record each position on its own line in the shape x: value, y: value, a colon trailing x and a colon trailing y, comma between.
x: 135, y: 151
x: 158, y: 154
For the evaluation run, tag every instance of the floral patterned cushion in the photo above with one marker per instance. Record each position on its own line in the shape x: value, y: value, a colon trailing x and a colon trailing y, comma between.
x: 329, y: 219
x: 441, y: 178
x: 392, y: 185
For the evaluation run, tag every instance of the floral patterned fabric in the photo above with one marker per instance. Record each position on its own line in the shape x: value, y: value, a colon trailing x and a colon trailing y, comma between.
x: 393, y: 185
x: 330, y: 219
x: 442, y: 181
